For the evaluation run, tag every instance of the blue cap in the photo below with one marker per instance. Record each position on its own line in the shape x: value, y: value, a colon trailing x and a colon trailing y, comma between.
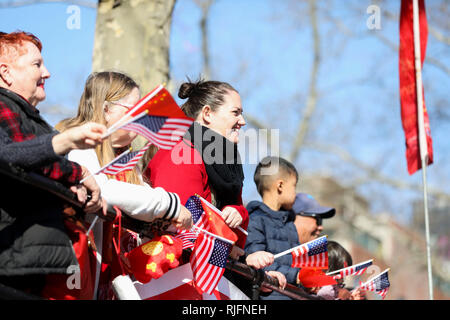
x: 306, y: 205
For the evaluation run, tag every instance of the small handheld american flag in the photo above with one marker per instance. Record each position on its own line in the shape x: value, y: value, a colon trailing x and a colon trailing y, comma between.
x: 312, y: 254
x: 379, y: 284
x: 208, y: 260
x: 160, y: 120
x: 194, y: 205
x: 357, y: 270
x: 206, y: 218
x: 124, y: 162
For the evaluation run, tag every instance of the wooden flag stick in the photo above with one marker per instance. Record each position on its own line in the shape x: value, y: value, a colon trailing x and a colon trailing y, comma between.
x: 102, y: 168
x: 355, y: 265
x: 213, y: 235
x: 92, y: 225
x: 148, y: 97
x: 294, y: 248
x: 114, y: 128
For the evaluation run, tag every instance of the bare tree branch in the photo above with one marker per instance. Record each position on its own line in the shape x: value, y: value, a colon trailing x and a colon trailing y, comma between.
x: 311, y: 101
x: 16, y: 4
x: 371, y: 172
x: 428, y: 58
x: 205, y: 6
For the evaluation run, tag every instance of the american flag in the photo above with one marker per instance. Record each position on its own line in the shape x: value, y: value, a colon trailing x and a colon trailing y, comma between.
x: 159, y: 119
x: 380, y: 284
x: 164, y: 132
x: 124, y: 162
x: 357, y: 270
x: 194, y: 205
x: 208, y: 260
x: 203, y: 217
x: 311, y: 254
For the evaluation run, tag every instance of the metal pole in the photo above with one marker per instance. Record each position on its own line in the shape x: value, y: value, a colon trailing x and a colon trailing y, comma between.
x: 422, y: 139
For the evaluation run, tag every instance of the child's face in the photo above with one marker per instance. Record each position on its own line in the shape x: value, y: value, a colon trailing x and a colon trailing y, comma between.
x: 288, y: 192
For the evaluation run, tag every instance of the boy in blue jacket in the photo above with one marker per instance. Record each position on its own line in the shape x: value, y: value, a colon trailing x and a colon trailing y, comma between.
x: 271, y: 226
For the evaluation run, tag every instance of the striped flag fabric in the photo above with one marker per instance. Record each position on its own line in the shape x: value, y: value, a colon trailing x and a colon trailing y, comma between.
x: 160, y: 120
x: 355, y: 270
x: 208, y: 260
x: 194, y: 205
x: 379, y: 284
x: 312, y: 254
x: 124, y: 162
x: 163, y: 132
x: 203, y: 217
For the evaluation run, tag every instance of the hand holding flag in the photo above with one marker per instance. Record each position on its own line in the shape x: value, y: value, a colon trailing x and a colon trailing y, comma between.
x: 204, y: 217
x: 311, y: 254
x: 378, y: 284
x: 158, y: 118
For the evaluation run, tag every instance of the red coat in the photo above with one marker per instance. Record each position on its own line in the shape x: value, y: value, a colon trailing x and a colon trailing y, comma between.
x: 181, y: 170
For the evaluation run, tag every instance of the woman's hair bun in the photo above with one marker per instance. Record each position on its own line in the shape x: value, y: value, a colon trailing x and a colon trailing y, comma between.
x: 186, y: 90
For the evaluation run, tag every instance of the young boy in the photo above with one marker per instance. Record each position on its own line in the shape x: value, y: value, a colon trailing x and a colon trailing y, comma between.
x: 271, y: 226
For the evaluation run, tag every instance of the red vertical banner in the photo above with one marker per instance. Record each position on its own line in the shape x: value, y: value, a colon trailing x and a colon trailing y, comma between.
x: 408, y: 88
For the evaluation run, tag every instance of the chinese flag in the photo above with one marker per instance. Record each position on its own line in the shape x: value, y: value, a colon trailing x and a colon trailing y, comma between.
x: 162, y: 104
x: 154, y: 258
x: 408, y: 90
x: 314, y: 277
x: 214, y: 223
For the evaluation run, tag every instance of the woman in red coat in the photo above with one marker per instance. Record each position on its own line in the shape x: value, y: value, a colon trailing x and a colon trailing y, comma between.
x: 206, y: 161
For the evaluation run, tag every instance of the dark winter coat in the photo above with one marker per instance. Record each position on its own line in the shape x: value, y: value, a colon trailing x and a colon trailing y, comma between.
x: 274, y: 232
x: 33, y: 238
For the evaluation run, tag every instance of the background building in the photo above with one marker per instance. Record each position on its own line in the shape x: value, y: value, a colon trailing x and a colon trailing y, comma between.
x: 367, y: 235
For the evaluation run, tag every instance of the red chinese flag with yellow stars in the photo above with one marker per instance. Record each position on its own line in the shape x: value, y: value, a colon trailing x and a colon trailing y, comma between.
x: 160, y: 104
x: 154, y: 258
x: 408, y: 89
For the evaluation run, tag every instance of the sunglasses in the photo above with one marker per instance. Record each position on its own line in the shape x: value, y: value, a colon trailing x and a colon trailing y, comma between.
x: 318, y: 220
x: 128, y: 106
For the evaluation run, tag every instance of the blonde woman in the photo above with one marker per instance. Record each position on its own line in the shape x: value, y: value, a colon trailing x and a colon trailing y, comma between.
x: 106, y: 98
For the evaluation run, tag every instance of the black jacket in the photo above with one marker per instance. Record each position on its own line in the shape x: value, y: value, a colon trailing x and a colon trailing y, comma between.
x: 33, y: 238
x: 274, y: 232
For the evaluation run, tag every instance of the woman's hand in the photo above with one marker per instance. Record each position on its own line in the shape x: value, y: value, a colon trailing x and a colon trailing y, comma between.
x: 95, y: 202
x: 232, y: 217
x: 82, y: 137
x: 184, y: 219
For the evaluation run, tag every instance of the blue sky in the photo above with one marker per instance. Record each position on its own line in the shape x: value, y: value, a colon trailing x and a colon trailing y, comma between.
x: 266, y: 54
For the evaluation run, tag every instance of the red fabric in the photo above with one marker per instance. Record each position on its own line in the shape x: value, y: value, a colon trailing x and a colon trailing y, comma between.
x: 154, y: 258
x: 408, y: 93
x: 182, y: 171
x: 56, y: 287
x: 11, y: 121
x: 312, y: 277
x: 217, y: 225
x: 162, y: 104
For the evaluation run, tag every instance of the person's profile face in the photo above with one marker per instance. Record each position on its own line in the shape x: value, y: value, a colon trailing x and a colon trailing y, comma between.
x: 115, y: 111
x: 289, y: 191
x: 307, y: 228
x: 28, y: 74
x: 228, y: 119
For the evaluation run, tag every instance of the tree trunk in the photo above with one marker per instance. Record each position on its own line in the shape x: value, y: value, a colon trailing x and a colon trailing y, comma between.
x: 132, y: 36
